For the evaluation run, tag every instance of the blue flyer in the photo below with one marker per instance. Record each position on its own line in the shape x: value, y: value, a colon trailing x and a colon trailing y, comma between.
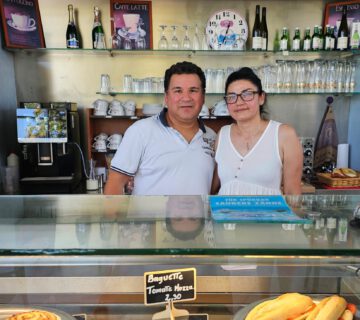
x: 273, y: 209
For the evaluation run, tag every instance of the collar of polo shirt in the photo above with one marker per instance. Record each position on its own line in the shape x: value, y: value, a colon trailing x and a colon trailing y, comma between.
x: 162, y: 117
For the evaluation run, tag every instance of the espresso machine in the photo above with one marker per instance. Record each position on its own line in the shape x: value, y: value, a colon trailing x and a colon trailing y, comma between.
x: 49, y: 136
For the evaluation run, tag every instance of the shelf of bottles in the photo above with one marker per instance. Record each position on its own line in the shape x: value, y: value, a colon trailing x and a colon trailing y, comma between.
x: 268, y: 53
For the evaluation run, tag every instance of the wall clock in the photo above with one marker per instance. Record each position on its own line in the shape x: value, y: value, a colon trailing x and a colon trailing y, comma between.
x: 226, y: 30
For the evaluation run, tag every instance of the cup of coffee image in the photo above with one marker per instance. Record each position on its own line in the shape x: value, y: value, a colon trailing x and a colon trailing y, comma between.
x: 22, y: 21
x: 131, y: 20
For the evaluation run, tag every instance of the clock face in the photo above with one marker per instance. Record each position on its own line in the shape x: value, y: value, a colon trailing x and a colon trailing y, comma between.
x: 226, y: 30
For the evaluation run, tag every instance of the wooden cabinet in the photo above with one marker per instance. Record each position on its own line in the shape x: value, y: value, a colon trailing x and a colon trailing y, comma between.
x: 119, y: 124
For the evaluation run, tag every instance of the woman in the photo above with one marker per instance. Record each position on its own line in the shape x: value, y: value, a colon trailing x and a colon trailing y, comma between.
x: 254, y: 155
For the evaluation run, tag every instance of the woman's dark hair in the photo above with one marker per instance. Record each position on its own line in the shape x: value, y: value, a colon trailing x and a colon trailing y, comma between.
x: 247, y: 73
x: 184, y: 67
x: 244, y: 73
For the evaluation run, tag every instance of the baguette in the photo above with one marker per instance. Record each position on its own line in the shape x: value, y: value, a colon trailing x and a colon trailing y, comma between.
x: 347, y: 315
x: 288, y: 305
x: 332, y: 309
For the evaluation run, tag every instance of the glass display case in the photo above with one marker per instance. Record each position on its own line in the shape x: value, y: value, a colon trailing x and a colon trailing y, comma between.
x: 87, y: 254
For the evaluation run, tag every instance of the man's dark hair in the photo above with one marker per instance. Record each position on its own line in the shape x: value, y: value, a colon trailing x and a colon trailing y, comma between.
x: 184, y: 67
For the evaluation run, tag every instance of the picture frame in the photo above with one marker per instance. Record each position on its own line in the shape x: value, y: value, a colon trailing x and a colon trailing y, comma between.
x: 131, y: 24
x: 21, y: 22
x: 333, y: 13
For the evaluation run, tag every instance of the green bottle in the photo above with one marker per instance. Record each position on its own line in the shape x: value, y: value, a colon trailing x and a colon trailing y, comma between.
x: 296, y: 40
x: 329, y: 44
x: 321, y: 38
x: 276, y: 41
x: 284, y: 40
x: 355, y: 37
x: 307, y: 40
x: 315, y: 39
x: 98, y: 36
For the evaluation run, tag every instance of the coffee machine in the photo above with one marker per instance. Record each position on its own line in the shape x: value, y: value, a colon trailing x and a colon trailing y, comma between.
x: 49, y: 135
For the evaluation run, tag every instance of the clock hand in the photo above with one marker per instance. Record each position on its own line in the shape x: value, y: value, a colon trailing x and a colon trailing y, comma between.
x: 226, y: 32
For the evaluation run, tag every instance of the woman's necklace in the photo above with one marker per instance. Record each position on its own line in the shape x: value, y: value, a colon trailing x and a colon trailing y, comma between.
x: 250, y: 141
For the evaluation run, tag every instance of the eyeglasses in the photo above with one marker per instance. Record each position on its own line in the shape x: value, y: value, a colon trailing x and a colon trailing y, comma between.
x: 246, y: 95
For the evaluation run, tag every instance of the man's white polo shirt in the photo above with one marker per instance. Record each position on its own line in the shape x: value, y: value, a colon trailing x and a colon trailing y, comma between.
x: 162, y: 162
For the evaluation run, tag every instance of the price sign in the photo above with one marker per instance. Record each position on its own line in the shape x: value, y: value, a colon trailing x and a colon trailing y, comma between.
x: 170, y: 285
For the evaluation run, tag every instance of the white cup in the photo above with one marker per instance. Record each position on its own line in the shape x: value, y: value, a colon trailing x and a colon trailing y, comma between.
x: 116, y: 108
x: 204, y: 111
x: 101, y: 136
x: 100, y: 107
x: 129, y: 107
x: 113, y: 145
x: 116, y: 138
x: 99, y: 145
x: 22, y: 21
x: 220, y: 109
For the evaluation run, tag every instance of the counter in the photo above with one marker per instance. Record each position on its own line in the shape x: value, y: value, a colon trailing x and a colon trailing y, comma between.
x: 88, y: 254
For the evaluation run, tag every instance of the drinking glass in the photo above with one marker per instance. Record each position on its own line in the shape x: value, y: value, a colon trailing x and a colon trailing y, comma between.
x: 301, y: 76
x: 186, y: 42
x: 163, y: 43
x: 331, y: 76
x: 279, y: 75
x: 175, y: 44
x: 196, y: 39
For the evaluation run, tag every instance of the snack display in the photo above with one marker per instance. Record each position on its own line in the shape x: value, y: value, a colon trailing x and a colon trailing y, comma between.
x: 34, y: 315
x: 297, y: 306
x: 288, y: 305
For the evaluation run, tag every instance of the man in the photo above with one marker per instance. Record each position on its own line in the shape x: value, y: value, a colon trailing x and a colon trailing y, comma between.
x: 171, y: 153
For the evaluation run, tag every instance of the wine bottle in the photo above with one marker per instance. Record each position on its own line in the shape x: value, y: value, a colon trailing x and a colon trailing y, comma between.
x: 329, y: 41
x: 276, y: 41
x: 296, y: 40
x: 256, y: 33
x: 321, y: 38
x: 307, y: 40
x: 264, y: 30
x: 315, y: 39
x: 284, y: 40
x: 72, y: 36
x: 343, y: 32
x: 355, y: 37
x: 333, y: 38
x: 98, y: 36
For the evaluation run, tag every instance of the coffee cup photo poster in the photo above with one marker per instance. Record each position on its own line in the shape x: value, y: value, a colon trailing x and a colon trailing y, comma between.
x: 132, y: 25
x: 21, y: 23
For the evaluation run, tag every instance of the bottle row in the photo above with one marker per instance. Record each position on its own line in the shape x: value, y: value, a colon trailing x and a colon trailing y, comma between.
x: 337, y: 37
x: 219, y: 33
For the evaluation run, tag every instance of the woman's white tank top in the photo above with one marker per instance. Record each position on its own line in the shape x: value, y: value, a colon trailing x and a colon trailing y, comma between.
x: 259, y: 172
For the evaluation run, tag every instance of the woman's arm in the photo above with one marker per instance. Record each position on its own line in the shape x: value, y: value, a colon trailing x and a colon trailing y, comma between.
x: 292, y: 158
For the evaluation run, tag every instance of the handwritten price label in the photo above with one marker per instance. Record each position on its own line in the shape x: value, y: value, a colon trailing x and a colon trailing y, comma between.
x: 170, y: 285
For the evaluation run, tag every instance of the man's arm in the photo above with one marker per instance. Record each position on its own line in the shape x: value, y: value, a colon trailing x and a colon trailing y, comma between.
x: 115, y: 183
x: 292, y: 160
